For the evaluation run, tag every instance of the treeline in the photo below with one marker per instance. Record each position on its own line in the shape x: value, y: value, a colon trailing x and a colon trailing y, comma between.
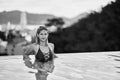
x: 100, y: 31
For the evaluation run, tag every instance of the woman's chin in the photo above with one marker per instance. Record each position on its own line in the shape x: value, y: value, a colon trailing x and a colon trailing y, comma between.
x: 43, y: 40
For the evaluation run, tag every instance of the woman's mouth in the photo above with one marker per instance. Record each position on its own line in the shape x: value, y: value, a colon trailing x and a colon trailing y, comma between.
x: 43, y: 38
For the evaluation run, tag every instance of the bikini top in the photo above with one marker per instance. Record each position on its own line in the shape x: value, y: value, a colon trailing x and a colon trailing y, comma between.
x: 43, y: 57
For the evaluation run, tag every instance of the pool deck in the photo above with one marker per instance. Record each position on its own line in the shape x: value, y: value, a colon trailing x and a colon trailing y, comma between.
x: 73, y: 66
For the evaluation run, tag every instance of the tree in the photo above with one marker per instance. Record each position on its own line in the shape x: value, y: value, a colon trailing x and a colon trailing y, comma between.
x: 58, y: 22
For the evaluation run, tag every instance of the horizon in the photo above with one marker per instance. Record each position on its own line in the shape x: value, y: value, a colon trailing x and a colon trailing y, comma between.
x: 60, y: 8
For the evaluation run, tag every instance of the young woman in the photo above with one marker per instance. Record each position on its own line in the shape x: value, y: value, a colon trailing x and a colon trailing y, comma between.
x: 44, y: 54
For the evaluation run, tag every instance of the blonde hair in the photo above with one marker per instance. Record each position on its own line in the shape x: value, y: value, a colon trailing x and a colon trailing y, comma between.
x: 38, y: 31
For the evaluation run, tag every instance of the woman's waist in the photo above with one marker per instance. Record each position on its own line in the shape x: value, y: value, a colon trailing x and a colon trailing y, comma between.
x: 43, y: 61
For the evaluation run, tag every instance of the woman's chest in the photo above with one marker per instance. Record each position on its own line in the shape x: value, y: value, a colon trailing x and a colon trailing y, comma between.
x: 44, y: 49
x: 41, y: 49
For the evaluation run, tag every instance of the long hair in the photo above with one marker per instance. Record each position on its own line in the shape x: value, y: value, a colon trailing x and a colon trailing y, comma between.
x: 38, y: 31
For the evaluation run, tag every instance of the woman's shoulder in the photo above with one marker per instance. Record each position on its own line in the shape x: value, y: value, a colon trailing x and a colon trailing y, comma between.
x: 35, y: 45
x: 51, y: 44
x: 32, y: 45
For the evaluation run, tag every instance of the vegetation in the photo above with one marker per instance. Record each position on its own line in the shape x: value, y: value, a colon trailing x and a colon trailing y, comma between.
x: 100, y: 31
x: 58, y: 22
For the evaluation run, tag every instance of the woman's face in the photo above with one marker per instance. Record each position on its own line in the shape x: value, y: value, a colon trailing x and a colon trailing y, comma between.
x: 43, y: 35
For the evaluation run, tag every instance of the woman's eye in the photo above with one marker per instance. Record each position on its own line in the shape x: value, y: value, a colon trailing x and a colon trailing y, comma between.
x: 41, y: 34
x: 45, y: 33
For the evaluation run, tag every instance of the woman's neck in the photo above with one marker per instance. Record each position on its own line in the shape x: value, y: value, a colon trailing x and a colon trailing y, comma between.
x: 43, y: 44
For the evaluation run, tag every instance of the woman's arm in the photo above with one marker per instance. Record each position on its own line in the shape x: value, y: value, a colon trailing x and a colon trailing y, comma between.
x: 28, y: 50
x: 53, y: 50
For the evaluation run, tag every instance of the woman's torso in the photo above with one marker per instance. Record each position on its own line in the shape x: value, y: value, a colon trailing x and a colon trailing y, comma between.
x: 40, y: 56
x: 46, y: 65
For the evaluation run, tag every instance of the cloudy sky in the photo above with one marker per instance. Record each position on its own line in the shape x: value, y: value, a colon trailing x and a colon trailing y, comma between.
x: 67, y: 8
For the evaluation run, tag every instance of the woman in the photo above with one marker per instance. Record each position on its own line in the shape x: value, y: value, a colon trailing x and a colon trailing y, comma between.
x: 44, y: 54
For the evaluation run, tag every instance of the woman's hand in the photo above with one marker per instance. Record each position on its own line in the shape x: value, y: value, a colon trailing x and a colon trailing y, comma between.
x: 43, y: 70
x: 28, y: 63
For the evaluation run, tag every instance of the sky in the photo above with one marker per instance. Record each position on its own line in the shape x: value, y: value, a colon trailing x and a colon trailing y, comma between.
x: 66, y: 8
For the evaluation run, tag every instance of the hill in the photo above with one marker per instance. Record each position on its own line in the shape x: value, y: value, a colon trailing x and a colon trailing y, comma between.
x: 34, y: 19
x: 11, y: 16
x: 14, y: 17
x: 69, y: 22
